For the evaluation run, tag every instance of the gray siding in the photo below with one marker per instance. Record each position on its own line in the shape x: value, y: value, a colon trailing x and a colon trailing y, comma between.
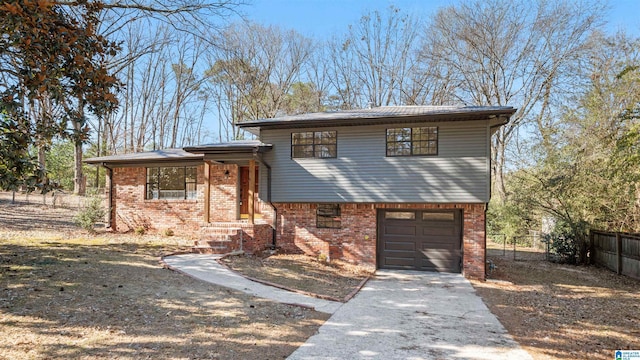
x: 363, y: 173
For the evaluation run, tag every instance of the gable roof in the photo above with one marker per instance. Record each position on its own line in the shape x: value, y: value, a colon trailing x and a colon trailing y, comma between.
x: 384, y: 115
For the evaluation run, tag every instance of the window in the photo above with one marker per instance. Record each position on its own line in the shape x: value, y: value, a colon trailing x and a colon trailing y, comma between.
x: 400, y: 215
x: 328, y: 216
x: 412, y: 141
x: 438, y: 216
x: 314, y: 144
x: 171, y: 182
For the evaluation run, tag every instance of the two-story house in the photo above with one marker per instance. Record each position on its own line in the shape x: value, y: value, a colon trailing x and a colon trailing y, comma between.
x: 401, y: 187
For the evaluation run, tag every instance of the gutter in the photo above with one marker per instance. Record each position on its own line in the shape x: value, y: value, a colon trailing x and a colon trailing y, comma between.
x: 260, y: 159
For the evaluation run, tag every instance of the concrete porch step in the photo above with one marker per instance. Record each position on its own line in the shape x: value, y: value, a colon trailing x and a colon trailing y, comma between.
x: 225, y: 224
x: 219, y: 231
x: 213, y: 246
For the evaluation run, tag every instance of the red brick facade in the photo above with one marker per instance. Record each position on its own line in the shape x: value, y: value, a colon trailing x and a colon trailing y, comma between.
x: 130, y: 210
x: 356, y: 240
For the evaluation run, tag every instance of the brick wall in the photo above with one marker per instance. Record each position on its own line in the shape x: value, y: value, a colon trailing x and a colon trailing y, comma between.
x: 356, y: 240
x: 224, y: 193
x: 130, y: 210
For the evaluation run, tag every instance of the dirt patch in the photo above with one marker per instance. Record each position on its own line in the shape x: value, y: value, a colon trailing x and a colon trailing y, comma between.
x: 563, y: 312
x: 67, y: 294
x: 337, y: 280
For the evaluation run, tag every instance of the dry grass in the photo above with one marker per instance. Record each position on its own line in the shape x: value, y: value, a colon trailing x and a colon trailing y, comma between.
x: 563, y: 312
x: 335, y: 280
x: 66, y: 294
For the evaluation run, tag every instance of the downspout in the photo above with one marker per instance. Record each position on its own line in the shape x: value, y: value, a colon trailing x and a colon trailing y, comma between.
x: 110, y: 197
x: 275, y: 210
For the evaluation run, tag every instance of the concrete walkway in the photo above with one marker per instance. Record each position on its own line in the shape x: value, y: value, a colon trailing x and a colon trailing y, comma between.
x: 207, y: 268
x: 397, y: 315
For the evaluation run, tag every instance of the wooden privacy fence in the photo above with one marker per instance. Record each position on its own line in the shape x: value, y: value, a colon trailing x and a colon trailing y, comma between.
x: 618, y: 252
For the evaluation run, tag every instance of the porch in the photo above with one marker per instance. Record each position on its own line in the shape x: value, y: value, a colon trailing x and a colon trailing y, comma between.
x: 234, y: 217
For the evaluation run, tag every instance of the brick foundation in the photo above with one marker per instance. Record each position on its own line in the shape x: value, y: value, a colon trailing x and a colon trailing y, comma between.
x: 356, y: 240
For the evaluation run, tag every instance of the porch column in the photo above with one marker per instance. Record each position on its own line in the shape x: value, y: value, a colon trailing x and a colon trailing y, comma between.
x: 252, y: 188
x: 207, y: 192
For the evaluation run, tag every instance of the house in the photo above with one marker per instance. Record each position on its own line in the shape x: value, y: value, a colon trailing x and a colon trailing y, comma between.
x: 401, y: 187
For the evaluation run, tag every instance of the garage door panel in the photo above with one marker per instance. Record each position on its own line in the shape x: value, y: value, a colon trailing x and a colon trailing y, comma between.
x: 400, y: 262
x: 399, y: 230
x: 400, y: 246
x: 440, y: 254
x: 440, y: 265
x: 431, y: 231
x: 431, y: 242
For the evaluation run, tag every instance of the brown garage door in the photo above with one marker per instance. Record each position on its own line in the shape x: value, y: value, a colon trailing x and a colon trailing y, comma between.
x: 420, y: 240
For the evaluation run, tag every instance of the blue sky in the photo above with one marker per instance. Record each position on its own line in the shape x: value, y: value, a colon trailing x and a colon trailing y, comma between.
x: 321, y: 18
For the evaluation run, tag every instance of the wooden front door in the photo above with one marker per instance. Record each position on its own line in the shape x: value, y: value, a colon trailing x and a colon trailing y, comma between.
x: 244, y: 191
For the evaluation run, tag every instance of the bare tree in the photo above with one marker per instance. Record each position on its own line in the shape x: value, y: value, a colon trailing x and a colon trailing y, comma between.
x: 516, y: 53
x: 253, y: 70
x: 373, y: 64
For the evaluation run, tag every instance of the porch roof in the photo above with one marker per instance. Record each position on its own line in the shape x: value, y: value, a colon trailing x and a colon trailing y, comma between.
x: 164, y: 155
x: 228, y: 151
x: 233, y: 147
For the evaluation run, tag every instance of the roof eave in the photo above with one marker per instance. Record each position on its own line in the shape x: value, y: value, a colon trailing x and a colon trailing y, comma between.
x: 217, y: 150
x: 254, y: 126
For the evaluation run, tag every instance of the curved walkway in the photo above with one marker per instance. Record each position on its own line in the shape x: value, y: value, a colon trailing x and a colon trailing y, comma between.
x: 396, y: 315
x: 207, y: 268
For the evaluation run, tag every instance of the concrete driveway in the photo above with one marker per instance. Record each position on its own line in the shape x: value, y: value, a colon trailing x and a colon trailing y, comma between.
x: 412, y: 315
x: 397, y: 315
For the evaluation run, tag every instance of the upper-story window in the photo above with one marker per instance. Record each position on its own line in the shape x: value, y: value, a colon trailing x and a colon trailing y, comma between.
x: 412, y: 141
x: 314, y: 144
x: 171, y: 182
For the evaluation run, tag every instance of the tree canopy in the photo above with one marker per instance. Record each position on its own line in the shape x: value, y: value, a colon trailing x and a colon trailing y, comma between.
x: 50, y: 54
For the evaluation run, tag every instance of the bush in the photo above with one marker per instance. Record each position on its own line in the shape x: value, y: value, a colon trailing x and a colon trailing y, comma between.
x: 90, y: 214
x: 168, y: 232
x: 567, y: 241
x: 140, y: 230
x: 509, y: 219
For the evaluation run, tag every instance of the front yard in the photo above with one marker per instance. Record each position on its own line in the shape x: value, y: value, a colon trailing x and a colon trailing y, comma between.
x: 563, y: 312
x: 67, y: 294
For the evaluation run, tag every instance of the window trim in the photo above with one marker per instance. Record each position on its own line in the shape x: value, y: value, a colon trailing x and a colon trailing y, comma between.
x: 185, y: 183
x: 314, y: 145
x: 333, y: 221
x: 411, y: 141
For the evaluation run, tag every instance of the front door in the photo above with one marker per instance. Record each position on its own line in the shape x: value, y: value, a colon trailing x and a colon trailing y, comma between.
x: 244, y: 192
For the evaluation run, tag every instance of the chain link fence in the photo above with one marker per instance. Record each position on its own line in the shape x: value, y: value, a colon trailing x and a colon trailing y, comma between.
x: 531, y: 247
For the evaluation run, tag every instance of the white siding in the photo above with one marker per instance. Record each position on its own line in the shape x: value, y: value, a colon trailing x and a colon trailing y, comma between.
x: 363, y: 173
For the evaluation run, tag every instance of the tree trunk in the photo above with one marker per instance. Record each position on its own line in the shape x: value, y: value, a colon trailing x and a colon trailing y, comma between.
x: 497, y: 167
x: 79, y: 183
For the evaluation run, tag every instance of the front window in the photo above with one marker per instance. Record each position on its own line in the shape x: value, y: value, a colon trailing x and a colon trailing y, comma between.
x: 328, y: 216
x: 314, y: 144
x: 171, y: 182
x: 414, y: 141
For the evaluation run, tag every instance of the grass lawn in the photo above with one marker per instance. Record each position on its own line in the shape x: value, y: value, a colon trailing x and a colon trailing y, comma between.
x: 560, y: 311
x: 66, y: 294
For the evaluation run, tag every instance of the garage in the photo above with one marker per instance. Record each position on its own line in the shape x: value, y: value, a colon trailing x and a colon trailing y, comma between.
x: 425, y: 240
